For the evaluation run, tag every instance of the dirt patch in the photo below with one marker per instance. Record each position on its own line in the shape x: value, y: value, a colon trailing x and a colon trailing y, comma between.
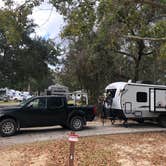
x: 144, y: 149
x: 112, y: 150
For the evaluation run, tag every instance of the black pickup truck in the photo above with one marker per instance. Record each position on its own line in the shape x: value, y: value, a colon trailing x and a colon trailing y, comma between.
x: 44, y: 111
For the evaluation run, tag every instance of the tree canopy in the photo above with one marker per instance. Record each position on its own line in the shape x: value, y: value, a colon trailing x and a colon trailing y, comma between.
x: 24, y: 60
x: 107, y: 41
x: 113, y: 40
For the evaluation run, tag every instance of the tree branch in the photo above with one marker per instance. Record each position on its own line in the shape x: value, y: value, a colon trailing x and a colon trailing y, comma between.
x: 148, y: 53
x: 124, y: 53
x: 145, y: 38
x: 158, y: 17
x: 150, y: 2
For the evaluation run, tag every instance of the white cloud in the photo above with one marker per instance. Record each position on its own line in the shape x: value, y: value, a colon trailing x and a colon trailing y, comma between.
x: 48, y: 20
x: 1, y: 4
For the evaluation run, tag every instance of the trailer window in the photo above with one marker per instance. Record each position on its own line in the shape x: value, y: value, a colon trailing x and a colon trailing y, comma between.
x: 141, y: 97
x: 112, y: 91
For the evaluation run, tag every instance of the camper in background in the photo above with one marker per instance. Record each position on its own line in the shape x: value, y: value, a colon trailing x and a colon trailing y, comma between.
x: 138, y: 102
x: 4, y: 94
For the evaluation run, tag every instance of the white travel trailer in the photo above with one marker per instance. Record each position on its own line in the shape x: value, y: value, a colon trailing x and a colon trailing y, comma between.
x: 138, y: 102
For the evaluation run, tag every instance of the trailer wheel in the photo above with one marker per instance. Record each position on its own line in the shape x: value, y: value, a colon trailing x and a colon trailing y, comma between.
x: 162, y: 121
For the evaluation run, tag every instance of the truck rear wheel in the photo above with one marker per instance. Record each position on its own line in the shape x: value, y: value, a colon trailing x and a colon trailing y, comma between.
x: 76, y: 123
x: 162, y: 121
x: 8, y: 127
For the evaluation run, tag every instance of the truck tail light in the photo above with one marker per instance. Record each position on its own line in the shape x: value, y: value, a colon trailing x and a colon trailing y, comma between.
x: 94, y: 110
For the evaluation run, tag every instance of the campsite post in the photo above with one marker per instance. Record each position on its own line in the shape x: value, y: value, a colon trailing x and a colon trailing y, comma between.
x: 72, y: 139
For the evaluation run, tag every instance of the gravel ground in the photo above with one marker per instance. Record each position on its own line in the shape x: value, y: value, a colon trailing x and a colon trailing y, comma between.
x: 137, y: 149
x: 93, y: 128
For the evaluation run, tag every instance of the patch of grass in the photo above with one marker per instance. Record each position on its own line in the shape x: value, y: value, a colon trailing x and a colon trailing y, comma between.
x: 9, y: 103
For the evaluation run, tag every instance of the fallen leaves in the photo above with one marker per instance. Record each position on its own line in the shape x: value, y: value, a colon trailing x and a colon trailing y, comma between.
x: 112, y: 150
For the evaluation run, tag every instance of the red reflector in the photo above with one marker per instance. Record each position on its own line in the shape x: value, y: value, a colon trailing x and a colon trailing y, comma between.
x: 94, y: 110
x: 73, y: 137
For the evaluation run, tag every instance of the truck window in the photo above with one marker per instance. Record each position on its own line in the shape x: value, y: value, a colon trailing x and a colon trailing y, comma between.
x: 141, y: 97
x: 38, y: 103
x: 54, y: 102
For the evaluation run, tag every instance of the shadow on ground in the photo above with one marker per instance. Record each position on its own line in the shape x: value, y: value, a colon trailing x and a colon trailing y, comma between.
x: 137, y: 125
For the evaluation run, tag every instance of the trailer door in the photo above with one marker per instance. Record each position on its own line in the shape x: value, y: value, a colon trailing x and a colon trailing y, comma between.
x: 152, y: 100
x: 160, y: 100
x: 157, y: 100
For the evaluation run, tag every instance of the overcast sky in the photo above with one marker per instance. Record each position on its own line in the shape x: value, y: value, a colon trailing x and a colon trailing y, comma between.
x: 48, y: 20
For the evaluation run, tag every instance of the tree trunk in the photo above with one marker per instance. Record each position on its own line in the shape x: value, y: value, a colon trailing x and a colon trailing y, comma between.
x: 141, y: 47
x: 136, y: 72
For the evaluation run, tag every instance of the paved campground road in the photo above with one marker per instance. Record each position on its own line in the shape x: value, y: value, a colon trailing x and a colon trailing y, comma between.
x: 93, y: 128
